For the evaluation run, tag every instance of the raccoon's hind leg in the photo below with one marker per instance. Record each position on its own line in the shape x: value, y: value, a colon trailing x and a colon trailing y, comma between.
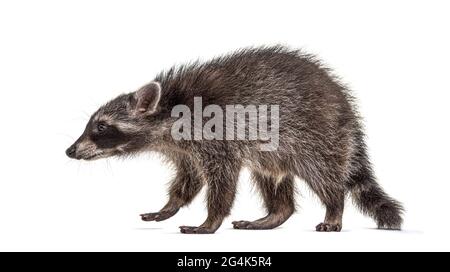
x: 333, y: 215
x: 333, y: 197
x: 185, y: 186
x: 331, y: 191
x: 278, y: 196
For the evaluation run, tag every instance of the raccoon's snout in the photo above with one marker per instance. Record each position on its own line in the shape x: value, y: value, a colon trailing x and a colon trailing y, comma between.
x: 87, y: 150
x: 82, y: 150
x: 71, y: 152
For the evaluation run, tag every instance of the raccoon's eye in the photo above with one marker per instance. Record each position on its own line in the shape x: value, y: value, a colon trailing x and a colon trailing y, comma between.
x: 101, y: 127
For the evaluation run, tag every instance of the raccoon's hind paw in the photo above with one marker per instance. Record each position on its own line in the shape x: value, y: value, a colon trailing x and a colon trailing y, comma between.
x: 325, y: 227
x: 244, y: 225
x: 196, y: 230
x: 253, y: 225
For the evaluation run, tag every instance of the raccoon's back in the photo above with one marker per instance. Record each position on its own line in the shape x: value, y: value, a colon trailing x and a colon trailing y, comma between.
x: 264, y: 75
x: 315, y: 110
x: 310, y: 99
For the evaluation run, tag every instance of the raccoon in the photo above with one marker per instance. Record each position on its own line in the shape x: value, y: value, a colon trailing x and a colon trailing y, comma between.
x: 321, y: 140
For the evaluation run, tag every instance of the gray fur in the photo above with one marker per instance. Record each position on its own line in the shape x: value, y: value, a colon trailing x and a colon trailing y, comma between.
x: 320, y: 139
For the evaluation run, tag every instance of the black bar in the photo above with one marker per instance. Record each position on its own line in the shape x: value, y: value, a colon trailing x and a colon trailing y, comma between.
x: 213, y: 261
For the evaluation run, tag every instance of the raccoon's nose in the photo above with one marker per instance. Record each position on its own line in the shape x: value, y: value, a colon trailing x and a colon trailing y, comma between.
x: 70, y: 152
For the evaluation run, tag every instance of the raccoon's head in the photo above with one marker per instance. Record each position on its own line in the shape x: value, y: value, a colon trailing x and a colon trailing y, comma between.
x: 122, y: 126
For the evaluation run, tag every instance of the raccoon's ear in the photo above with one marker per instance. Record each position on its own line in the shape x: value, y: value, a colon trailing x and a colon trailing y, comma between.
x: 147, y: 98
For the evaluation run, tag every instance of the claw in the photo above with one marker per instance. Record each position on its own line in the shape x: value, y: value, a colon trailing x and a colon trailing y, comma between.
x: 195, y: 230
x: 158, y: 216
x: 241, y: 224
x: 326, y: 227
x: 149, y: 216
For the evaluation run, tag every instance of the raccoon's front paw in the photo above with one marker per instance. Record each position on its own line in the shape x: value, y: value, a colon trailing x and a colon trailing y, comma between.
x: 196, y: 230
x: 325, y: 227
x: 158, y: 216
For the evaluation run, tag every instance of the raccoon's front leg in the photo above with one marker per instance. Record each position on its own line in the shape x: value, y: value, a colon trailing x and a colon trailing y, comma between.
x: 186, y: 185
x: 221, y: 176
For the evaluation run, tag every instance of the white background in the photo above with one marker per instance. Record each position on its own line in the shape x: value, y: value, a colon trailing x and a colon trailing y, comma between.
x: 60, y: 60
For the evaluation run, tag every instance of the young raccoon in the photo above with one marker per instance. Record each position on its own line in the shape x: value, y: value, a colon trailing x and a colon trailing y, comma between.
x: 320, y: 139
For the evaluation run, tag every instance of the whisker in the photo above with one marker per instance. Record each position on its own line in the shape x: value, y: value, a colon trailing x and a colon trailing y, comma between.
x: 78, y: 168
x: 66, y: 135
x: 70, y: 161
x: 108, y: 165
x: 86, y: 114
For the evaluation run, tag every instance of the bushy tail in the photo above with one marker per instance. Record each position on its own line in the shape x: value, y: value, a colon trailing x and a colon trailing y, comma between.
x: 374, y: 202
